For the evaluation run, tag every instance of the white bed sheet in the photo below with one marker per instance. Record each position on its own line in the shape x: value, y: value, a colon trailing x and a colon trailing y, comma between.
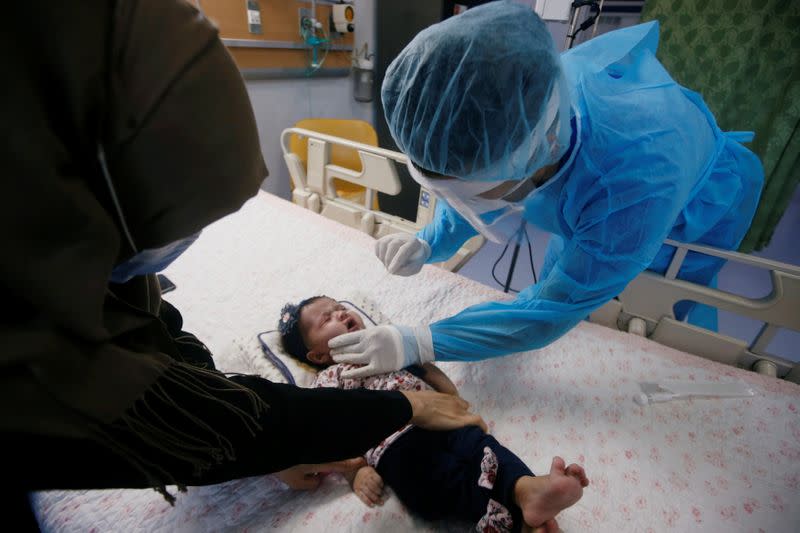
x: 714, y: 465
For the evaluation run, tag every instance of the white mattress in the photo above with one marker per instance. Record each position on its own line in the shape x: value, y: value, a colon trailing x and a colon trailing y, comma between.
x: 713, y: 465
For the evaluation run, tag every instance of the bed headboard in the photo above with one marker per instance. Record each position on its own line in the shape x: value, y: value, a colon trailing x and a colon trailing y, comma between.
x: 315, y: 189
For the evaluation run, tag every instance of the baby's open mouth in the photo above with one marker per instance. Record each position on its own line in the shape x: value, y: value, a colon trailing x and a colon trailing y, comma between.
x: 351, y: 324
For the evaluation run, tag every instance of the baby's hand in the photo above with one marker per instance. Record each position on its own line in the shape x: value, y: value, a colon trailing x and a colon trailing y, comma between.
x: 368, y: 486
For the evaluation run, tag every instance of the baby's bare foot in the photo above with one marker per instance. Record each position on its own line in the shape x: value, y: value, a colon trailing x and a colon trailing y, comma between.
x: 541, y: 498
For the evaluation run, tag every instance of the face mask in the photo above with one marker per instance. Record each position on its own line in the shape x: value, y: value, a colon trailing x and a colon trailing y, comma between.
x: 147, y: 261
x: 497, y: 219
x: 151, y: 260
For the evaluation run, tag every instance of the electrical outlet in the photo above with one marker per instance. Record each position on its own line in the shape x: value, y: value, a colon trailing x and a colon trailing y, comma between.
x: 303, y: 19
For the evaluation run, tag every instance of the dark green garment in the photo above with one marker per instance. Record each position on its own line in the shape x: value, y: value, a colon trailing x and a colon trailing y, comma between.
x: 744, y: 58
x: 151, y: 83
x: 88, y: 365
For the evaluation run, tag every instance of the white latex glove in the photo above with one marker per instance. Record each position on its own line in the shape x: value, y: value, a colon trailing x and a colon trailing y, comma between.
x: 402, y: 253
x: 382, y: 349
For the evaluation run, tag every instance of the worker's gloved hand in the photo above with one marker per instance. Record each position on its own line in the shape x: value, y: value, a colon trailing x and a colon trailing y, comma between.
x: 382, y: 349
x: 402, y: 253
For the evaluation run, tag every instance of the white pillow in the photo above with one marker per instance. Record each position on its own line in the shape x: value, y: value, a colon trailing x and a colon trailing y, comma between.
x: 247, y: 355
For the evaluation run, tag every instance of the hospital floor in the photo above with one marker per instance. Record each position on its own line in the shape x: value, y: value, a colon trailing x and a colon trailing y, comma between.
x: 735, y: 278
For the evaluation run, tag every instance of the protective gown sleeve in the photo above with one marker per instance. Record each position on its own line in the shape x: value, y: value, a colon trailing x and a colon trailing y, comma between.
x: 618, y: 224
x: 446, y: 233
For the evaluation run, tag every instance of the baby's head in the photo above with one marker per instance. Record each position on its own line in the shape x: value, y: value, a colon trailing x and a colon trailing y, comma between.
x: 307, y: 327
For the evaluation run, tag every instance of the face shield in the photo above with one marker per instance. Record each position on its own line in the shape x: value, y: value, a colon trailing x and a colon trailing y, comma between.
x: 478, y: 202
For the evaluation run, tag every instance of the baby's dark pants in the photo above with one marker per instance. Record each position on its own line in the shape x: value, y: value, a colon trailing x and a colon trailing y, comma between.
x: 436, y: 474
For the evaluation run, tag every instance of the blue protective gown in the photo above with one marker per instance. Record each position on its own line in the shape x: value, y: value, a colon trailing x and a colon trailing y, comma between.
x: 648, y: 162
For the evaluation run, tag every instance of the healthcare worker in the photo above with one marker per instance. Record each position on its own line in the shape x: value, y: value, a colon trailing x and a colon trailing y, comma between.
x: 126, y: 129
x: 600, y: 147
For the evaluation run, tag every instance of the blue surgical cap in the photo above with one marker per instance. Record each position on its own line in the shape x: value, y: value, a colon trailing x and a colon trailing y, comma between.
x: 465, y: 97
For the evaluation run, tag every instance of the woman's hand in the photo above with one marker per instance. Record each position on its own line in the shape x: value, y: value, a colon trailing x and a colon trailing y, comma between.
x: 437, y: 411
x: 308, y: 477
x: 551, y: 526
x: 368, y: 486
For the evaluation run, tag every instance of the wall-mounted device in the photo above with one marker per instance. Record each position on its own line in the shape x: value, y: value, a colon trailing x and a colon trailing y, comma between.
x: 558, y: 10
x: 253, y: 17
x: 343, y: 17
x: 363, y: 66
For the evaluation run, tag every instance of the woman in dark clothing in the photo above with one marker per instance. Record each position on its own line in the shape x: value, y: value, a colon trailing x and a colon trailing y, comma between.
x: 127, y: 129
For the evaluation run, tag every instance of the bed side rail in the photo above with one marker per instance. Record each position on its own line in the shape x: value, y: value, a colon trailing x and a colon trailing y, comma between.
x: 647, y: 303
x: 315, y: 189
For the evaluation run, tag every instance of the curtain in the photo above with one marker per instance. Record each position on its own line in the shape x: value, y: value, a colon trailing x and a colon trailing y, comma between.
x: 743, y: 56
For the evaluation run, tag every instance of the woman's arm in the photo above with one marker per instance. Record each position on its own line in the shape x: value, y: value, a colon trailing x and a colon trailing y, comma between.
x: 437, y: 379
x: 309, y: 426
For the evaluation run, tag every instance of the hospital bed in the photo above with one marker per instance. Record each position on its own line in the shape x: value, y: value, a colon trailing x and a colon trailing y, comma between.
x: 691, y: 465
x: 644, y: 308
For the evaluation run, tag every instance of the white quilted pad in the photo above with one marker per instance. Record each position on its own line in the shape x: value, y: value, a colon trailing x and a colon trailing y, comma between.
x: 711, y: 465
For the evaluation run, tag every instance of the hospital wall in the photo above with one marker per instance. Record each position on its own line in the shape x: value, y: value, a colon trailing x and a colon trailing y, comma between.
x: 278, y: 104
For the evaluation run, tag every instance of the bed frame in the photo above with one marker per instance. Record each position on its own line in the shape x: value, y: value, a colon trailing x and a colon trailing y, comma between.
x: 644, y: 308
x: 315, y: 189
